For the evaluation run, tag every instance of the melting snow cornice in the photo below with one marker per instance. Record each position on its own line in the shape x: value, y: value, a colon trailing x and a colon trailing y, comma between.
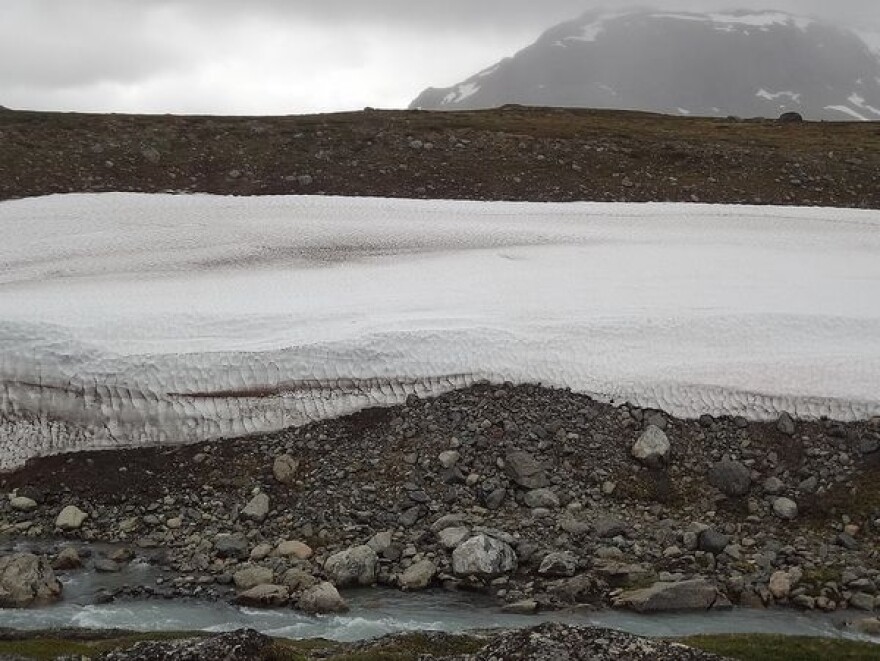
x: 142, y: 319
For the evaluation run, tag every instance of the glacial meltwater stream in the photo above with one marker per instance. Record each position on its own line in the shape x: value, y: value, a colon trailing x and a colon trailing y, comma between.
x: 376, y: 612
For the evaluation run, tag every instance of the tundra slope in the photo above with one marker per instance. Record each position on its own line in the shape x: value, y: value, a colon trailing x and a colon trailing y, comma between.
x: 514, y: 153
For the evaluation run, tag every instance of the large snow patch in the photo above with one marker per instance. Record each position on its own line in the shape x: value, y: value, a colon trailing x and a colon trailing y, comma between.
x: 140, y: 319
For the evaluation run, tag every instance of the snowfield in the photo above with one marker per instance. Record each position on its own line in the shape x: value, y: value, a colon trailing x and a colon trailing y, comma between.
x: 140, y: 319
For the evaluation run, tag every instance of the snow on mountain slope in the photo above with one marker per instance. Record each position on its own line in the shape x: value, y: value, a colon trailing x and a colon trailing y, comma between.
x: 749, y: 64
x: 141, y: 319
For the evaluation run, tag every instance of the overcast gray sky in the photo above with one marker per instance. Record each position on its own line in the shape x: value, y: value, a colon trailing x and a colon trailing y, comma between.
x: 287, y: 56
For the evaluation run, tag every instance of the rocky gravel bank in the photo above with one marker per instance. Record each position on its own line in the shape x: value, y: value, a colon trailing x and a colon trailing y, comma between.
x: 542, y: 498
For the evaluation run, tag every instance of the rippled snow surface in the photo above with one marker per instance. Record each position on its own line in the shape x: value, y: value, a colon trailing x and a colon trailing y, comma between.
x: 139, y: 319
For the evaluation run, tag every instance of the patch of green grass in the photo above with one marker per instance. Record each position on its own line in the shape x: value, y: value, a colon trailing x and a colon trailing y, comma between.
x: 767, y: 647
x: 49, y: 647
x: 401, y: 648
x: 45, y: 648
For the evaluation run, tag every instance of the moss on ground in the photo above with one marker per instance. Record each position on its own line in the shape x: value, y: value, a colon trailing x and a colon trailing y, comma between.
x: 768, y: 647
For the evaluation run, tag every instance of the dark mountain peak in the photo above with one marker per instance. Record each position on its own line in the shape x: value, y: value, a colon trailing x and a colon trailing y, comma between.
x: 746, y: 63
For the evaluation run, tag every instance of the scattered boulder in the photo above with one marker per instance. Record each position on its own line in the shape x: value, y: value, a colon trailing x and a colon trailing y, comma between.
x: 606, y: 527
x: 652, y: 447
x: 525, y: 470
x: 869, y: 626
x: 297, y: 580
x: 104, y: 565
x: 560, y: 564
x: 381, y: 541
x: 449, y: 458
x: 696, y: 594
x: 70, y: 518
x: 231, y: 546
x: 22, y: 503
x: 731, y: 478
x: 713, y: 542
x: 773, y: 486
x: 785, y: 423
x: 449, y: 538
x: 285, y: 469
x: 418, y: 575
x: 264, y: 596
x: 785, y: 508
x: 294, y: 549
x: 782, y: 582
x: 67, y: 559
x: 484, y: 557
x: 257, y: 509
x: 791, y: 118
x: 252, y: 576
x: 322, y: 598
x: 541, y: 498
x: 621, y: 574
x: 27, y: 580
x: 354, y: 566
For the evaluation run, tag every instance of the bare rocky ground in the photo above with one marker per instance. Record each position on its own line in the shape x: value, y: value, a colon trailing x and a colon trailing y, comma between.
x: 513, y: 153
x: 543, y: 498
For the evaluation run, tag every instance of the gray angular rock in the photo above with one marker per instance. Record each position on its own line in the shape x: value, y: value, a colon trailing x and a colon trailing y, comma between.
x: 449, y: 538
x: 525, y: 470
x: 731, y: 478
x: 68, y: 558
x: 449, y: 458
x: 609, y: 527
x: 558, y: 565
x: 70, y: 518
x: 27, y: 580
x: 22, y: 503
x: 264, y: 596
x: 483, y: 556
x: 862, y: 601
x: 696, y: 594
x: 541, y: 498
x: 785, y: 424
x: 354, y: 566
x: 785, y: 508
x: 250, y: 577
x: 257, y: 509
x: 297, y: 580
x: 285, y: 469
x: 652, y: 447
x: 773, y: 486
x: 418, y: 575
x: 231, y: 546
x: 712, y: 541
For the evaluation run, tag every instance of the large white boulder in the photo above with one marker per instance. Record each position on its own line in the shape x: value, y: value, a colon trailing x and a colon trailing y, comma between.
x: 483, y: 556
x: 27, y: 580
x: 354, y: 566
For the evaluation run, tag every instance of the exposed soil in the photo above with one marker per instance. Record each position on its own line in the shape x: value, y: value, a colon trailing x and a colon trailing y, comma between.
x: 512, y: 153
